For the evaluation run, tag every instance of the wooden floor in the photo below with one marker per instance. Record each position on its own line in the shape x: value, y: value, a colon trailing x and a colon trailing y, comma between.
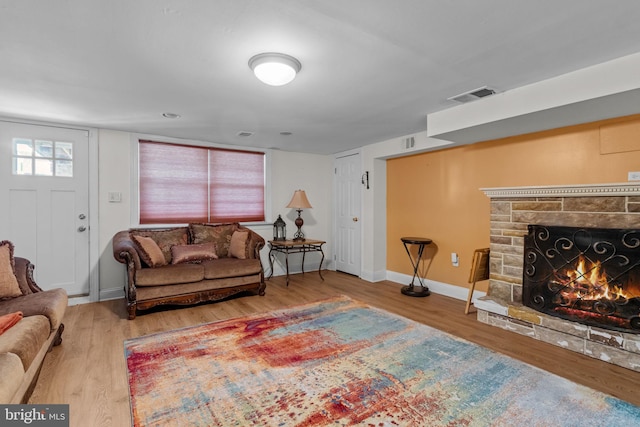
x: 88, y: 371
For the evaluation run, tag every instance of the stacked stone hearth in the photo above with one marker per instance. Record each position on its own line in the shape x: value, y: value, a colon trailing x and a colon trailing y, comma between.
x: 512, y: 210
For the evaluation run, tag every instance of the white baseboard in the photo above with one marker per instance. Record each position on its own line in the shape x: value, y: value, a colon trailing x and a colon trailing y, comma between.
x: 440, y: 288
x: 113, y: 293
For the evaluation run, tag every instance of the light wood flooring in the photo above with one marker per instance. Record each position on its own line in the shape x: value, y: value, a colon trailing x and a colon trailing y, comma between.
x: 88, y: 371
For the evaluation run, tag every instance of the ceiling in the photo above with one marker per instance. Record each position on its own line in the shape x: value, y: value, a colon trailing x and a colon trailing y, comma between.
x: 371, y: 69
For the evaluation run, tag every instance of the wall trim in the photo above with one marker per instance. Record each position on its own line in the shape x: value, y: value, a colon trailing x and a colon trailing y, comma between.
x: 439, y: 288
x: 580, y: 190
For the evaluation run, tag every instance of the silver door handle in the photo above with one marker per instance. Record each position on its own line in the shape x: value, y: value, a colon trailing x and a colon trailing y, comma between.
x: 82, y: 228
x: 355, y: 219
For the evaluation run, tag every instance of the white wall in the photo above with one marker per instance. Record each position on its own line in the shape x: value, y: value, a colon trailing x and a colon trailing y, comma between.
x: 289, y: 171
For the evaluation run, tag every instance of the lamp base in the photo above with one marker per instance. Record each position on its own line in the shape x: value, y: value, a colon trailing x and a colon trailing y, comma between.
x: 299, y: 236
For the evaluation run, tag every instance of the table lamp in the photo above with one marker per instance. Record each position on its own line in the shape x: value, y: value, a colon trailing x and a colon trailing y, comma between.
x: 298, y: 202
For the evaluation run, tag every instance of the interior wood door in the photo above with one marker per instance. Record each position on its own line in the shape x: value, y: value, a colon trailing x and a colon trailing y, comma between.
x: 44, y: 181
x: 348, y: 187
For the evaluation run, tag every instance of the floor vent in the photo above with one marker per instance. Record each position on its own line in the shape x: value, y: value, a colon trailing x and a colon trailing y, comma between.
x: 473, y: 95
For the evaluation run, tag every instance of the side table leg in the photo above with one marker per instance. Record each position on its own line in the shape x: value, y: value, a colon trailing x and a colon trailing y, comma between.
x: 286, y: 261
x: 270, y: 263
x: 320, y: 267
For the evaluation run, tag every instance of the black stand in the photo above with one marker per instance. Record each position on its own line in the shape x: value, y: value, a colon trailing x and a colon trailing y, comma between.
x: 410, y: 290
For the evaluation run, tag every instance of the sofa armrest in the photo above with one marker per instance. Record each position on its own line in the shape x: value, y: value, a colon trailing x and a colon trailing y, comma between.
x: 255, y: 243
x: 24, y: 274
x: 124, y: 250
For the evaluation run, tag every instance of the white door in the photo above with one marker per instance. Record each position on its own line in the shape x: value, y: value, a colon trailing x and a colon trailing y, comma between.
x: 44, y: 186
x: 348, y: 187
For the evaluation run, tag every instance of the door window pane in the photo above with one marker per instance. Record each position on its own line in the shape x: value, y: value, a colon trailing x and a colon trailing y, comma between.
x: 44, y: 149
x: 22, y: 166
x: 64, y: 150
x: 64, y: 168
x: 44, y: 167
x: 23, y: 147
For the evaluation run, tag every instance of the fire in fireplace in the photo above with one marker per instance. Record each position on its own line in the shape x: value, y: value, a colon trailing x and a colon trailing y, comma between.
x: 587, y: 275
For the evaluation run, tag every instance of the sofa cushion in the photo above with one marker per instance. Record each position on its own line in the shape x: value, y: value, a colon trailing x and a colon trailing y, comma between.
x: 51, y: 304
x: 149, y: 251
x: 193, y: 253
x: 238, y: 246
x: 26, y: 338
x: 11, y: 373
x: 9, y: 287
x: 230, y: 267
x: 220, y: 234
x: 169, y: 275
x: 165, y: 238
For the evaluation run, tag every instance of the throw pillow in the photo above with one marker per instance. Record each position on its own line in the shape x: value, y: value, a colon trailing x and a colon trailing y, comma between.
x: 218, y: 233
x: 9, y: 287
x: 165, y: 238
x: 238, y: 246
x: 149, y: 251
x: 193, y: 253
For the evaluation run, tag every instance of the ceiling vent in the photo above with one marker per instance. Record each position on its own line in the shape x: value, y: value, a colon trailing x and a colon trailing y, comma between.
x: 473, y: 95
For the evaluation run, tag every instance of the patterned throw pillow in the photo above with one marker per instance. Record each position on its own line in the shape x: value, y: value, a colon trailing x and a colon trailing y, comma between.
x: 9, y: 287
x: 238, y: 246
x: 149, y: 251
x: 193, y: 253
x: 165, y: 239
x: 220, y: 234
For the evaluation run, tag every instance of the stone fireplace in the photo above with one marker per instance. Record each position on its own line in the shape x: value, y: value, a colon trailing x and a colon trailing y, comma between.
x: 581, y: 207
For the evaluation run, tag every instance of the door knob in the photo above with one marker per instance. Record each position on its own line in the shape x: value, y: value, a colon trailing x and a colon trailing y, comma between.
x: 82, y: 216
x: 82, y: 228
x: 355, y: 219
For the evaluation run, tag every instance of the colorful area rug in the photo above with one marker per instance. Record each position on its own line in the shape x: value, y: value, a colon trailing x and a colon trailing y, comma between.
x: 340, y: 362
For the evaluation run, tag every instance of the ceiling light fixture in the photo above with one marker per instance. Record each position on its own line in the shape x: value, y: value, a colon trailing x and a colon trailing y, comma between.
x: 275, y: 69
x: 171, y: 115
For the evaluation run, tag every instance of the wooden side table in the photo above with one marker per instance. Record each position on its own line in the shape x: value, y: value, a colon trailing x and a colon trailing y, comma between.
x: 293, y: 247
x: 421, y: 242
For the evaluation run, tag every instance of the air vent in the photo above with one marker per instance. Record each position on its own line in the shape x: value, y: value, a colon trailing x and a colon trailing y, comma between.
x: 473, y: 95
x: 245, y: 133
x: 408, y: 143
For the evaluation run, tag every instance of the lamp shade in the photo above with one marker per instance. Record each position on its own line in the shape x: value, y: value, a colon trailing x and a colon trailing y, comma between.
x: 299, y: 200
x: 275, y: 69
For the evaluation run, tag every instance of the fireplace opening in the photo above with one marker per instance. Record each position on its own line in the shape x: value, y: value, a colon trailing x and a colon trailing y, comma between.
x: 586, y: 275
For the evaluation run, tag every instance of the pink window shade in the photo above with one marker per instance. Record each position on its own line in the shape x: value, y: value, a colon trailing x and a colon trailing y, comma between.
x: 181, y: 184
x: 173, y: 183
x: 237, y: 186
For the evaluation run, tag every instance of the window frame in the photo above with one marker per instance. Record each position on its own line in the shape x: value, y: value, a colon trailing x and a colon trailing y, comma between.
x: 135, y: 175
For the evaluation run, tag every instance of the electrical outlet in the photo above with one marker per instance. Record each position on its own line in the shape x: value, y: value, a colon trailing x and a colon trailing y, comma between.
x: 454, y: 259
x: 634, y: 176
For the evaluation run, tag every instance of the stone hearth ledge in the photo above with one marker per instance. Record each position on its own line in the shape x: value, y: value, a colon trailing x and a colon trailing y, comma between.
x: 619, y: 348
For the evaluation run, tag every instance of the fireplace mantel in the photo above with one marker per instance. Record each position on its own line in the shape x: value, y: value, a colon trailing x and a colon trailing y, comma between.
x: 579, y: 190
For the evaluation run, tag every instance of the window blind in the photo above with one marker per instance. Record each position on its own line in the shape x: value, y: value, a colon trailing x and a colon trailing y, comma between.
x: 183, y: 183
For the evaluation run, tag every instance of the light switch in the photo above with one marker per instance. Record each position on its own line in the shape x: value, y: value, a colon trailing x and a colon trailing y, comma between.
x: 115, y: 197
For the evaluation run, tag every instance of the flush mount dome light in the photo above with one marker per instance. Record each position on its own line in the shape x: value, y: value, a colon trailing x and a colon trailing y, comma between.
x: 275, y: 69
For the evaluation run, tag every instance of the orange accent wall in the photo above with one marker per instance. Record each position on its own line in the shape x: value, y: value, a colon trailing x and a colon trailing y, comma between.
x: 436, y: 194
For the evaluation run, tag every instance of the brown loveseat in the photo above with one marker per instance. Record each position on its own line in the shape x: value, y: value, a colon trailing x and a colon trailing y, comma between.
x: 187, y: 265
x: 24, y: 345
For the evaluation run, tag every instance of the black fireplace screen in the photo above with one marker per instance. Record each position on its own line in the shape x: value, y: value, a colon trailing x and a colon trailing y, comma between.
x: 587, y: 275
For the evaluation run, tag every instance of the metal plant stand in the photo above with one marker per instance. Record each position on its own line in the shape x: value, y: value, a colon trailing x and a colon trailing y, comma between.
x: 411, y: 290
